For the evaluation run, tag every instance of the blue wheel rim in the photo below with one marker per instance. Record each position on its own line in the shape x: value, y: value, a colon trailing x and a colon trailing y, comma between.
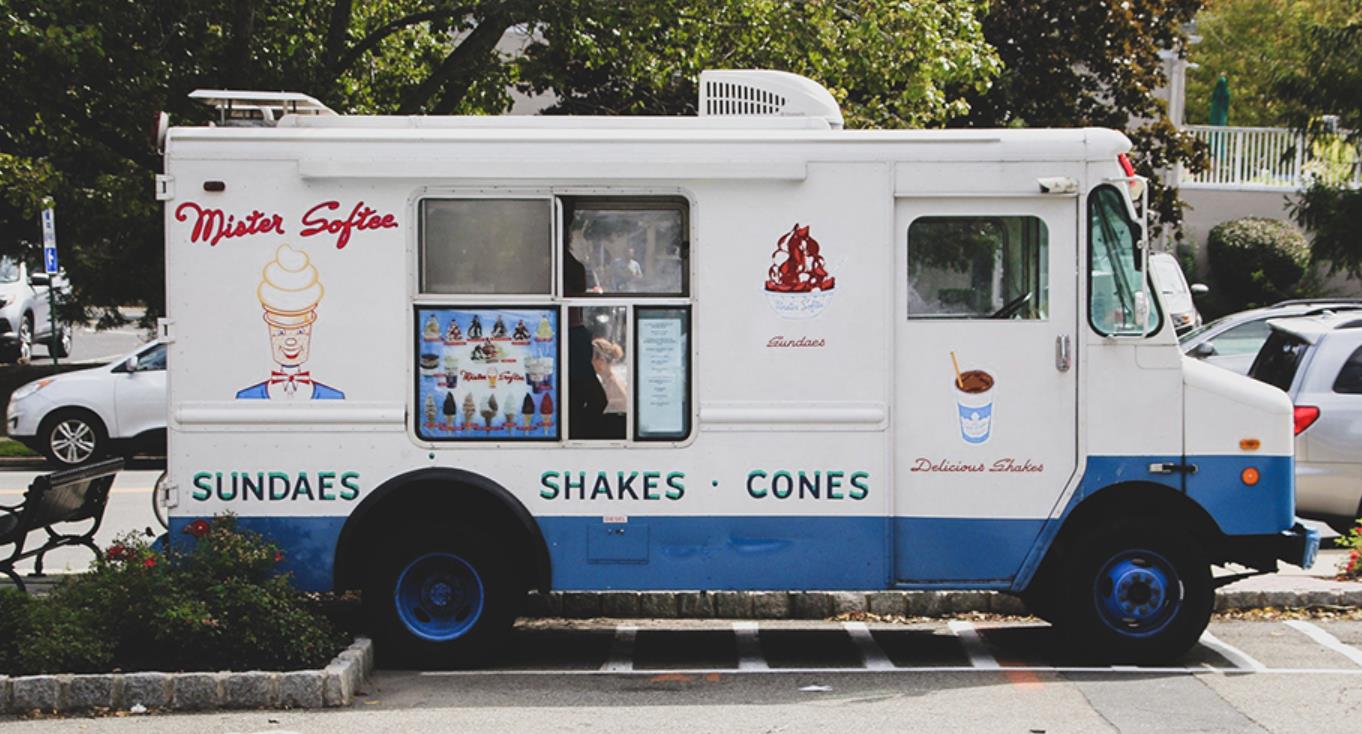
x: 439, y: 596
x: 1137, y: 593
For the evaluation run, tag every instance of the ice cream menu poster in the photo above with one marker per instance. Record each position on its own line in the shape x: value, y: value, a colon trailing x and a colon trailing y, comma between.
x: 487, y: 373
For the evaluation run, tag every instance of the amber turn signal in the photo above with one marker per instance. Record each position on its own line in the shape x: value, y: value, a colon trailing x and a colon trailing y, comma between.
x: 1249, y: 476
x: 1250, y: 444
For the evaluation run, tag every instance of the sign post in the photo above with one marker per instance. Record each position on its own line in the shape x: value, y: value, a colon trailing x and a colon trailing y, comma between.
x: 50, y: 265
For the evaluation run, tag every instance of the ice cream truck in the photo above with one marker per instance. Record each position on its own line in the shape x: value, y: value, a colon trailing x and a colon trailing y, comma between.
x: 450, y: 360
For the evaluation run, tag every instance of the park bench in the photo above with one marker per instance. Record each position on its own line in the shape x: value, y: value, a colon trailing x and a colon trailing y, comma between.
x: 56, y: 499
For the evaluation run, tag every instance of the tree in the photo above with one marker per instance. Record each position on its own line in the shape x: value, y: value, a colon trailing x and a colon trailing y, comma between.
x: 1324, y: 101
x: 84, y: 77
x: 1248, y: 41
x: 1071, y: 64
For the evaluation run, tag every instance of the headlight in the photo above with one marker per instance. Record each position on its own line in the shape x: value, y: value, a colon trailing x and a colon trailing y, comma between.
x: 4, y: 301
x: 29, y: 389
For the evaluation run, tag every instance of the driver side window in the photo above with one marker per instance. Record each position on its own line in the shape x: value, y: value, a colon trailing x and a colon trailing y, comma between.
x: 978, y: 268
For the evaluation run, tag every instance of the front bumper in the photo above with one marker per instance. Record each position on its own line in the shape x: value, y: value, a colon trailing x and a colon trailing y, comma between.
x: 1297, y: 546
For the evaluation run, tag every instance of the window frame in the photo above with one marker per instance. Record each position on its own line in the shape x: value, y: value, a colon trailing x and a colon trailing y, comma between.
x: 908, y: 258
x: 510, y: 195
x: 1155, y: 307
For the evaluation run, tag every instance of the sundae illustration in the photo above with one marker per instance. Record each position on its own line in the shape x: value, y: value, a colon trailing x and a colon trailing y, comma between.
x: 451, y: 364
x: 289, y: 292
x: 452, y: 335
x: 798, y: 285
x: 521, y: 333
x: 475, y: 328
x: 486, y: 351
x: 429, y: 363
x: 543, y: 332
x: 974, y: 400
x: 431, y: 332
x: 499, y: 329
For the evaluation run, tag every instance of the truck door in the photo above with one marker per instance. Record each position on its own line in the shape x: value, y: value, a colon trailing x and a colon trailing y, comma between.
x: 985, y: 381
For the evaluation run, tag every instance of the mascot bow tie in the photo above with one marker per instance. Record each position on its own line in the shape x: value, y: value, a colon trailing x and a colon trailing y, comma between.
x: 291, y: 381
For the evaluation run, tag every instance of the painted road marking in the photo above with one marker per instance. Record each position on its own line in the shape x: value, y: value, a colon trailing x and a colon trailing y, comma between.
x: 872, y: 656
x: 979, y: 656
x: 621, y: 658
x: 1318, y: 634
x: 749, y: 649
x: 1089, y: 670
x: 1238, y: 658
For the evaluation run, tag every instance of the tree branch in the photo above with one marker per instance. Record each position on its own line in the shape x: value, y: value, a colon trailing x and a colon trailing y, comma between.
x: 459, y: 67
x: 336, y: 32
x: 376, y: 37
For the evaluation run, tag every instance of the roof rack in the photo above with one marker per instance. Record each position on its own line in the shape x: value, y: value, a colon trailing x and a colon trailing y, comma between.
x: 246, y: 108
x: 1320, y: 301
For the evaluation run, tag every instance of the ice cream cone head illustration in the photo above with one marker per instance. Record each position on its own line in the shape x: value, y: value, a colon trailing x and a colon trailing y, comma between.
x: 289, y: 292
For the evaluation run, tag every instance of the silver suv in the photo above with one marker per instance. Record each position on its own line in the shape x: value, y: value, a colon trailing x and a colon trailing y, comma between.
x: 24, y: 312
x: 1317, y: 360
x: 1233, y: 341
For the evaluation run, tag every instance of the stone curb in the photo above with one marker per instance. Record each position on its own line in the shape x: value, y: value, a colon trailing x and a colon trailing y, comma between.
x: 822, y: 604
x: 332, y: 686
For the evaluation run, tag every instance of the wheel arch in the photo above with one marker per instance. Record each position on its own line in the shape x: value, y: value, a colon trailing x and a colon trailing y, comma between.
x: 457, y: 489
x: 1123, y: 499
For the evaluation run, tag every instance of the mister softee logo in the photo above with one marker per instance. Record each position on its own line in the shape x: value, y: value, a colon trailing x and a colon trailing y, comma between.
x: 214, y: 225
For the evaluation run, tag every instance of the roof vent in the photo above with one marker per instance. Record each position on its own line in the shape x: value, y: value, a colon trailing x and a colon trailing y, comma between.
x: 245, y: 108
x: 765, y: 93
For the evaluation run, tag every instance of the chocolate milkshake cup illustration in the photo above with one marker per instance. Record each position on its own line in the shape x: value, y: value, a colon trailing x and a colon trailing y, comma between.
x: 974, y: 401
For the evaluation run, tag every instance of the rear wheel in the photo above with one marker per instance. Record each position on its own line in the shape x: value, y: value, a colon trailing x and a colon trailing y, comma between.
x: 446, y: 600
x: 1136, y: 591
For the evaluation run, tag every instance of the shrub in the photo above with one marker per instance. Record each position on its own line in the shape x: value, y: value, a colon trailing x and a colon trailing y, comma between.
x: 216, y: 604
x: 1256, y: 262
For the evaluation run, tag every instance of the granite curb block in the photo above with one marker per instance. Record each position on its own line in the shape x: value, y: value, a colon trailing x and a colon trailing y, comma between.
x: 332, y: 686
x: 823, y: 604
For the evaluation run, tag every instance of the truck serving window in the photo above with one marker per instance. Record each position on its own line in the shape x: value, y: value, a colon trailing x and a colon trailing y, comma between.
x: 1114, y: 258
x: 486, y: 246
x: 625, y: 265
x: 978, y: 268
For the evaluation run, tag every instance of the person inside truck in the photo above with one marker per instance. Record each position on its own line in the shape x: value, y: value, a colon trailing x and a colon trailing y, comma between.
x: 586, y: 397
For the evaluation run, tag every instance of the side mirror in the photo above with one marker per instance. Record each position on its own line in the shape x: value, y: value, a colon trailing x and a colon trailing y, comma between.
x: 129, y: 365
x: 39, y: 279
x: 1200, y: 289
x: 1203, y: 350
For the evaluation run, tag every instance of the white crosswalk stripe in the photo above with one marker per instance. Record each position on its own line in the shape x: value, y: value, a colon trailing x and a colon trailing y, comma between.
x: 621, y: 658
x: 979, y: 656
x: 1238, y: 658
x: 1318, y: 634
x: 871, y: 655
x: 749, y: 648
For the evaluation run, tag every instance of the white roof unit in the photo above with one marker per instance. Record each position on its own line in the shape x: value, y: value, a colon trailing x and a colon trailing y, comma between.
x: 765, y: 93
x: 241, y: 107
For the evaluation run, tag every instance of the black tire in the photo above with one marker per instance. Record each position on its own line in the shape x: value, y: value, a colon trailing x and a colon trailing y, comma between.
x: 59, y: 345
x: 1136, y: 591
x: 397, y: 638
x: 73, y: 437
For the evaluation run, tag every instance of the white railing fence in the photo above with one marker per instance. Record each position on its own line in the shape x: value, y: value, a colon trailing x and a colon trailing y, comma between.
x: 1271, y: 158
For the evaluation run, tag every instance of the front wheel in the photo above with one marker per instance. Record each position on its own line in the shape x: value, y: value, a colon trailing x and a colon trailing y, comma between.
x: 447, y: 600
x: 73, y: 437
x: 1137, y: 591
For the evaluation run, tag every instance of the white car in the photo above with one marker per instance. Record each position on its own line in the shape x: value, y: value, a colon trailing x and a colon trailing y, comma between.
x: 1174, y: 292
x: 76, y: 417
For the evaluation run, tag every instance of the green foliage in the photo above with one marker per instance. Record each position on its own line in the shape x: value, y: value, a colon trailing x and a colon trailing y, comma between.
x: 1330, y: 83
x: 1243, y: 38
x: 218, y: 605
x: 1350, y: 568
x: 1256, y: 262
x: 1075, y: 64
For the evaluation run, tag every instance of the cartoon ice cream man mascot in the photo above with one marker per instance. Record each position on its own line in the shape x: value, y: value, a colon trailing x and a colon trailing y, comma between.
x: 289, y: 291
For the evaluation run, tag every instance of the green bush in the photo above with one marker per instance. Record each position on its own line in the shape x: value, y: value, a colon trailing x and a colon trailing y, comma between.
x: 1257, y: 262
x: 218, y: 604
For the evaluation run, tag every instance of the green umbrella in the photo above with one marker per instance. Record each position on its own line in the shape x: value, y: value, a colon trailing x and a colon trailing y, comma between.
x: 1220, y: 102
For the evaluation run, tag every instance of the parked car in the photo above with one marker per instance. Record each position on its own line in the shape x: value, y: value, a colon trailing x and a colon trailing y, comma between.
x: 25, y: 312
x: 1233, y: 341
x: 77, y: 417
x: 1174, y: 292
x: 1317, y: 361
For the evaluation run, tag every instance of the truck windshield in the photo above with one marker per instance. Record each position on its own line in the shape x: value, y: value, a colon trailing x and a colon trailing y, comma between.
x: 1114, y: 276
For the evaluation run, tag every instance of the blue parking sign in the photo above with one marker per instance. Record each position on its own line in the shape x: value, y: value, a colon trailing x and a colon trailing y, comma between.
x: 50, y: 259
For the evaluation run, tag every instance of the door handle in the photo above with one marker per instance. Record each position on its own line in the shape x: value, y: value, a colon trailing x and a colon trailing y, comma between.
x: 1063, y: 353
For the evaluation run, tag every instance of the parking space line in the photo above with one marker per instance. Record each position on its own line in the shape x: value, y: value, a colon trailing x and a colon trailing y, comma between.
x: 621, y: 658
x: 749, y: 649
x: 1238, y: 658
x: 1079, y: 670
x: 979, y: 656
x: 1318, y: 634
x: 872, y: 656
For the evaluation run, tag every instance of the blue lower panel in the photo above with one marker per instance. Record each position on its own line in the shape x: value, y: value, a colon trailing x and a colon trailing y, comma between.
x: 309, y: 544
x: 763, y: 552
x: 1265, y: 508
x: 945, y: 551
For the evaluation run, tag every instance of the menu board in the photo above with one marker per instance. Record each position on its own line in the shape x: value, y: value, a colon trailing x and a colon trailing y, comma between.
x: 663, y: 405
x: 487, y: 373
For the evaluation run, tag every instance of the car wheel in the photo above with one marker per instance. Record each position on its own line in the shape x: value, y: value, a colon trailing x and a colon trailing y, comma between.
x: 447, y: 600
x: 1136, y: 591
x: 72, y: 438
x: 25, y: 346
x: 60, y: 344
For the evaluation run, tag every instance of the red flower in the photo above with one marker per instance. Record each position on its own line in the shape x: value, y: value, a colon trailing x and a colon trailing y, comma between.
x: 278, y: 556
x: 198, y: 528
x: 150, y: 562
x: 116, y: 552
